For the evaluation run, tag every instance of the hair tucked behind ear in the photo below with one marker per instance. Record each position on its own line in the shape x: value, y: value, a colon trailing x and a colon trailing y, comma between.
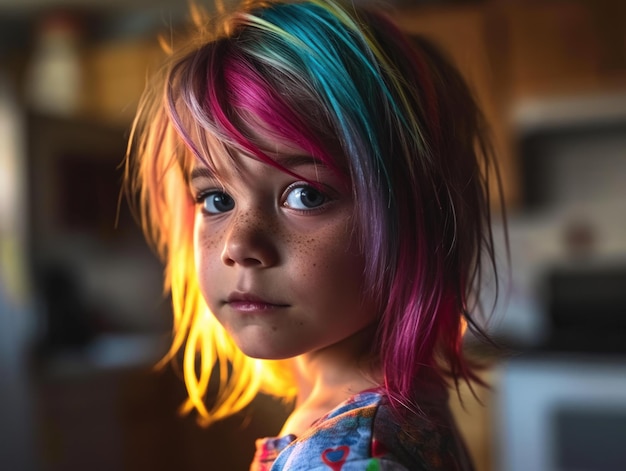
x: 388, y: 114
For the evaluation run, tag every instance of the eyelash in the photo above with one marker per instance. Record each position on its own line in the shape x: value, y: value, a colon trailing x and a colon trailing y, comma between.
x: 305, y: 186
x: 202, y: 197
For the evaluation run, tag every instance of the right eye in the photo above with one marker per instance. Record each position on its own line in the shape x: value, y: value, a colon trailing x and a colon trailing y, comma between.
x: 216, y: 202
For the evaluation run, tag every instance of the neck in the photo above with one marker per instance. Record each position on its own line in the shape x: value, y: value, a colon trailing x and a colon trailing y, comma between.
x: 329, y: 376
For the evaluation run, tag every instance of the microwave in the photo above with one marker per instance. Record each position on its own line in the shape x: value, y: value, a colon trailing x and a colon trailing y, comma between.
x: 561, y: 412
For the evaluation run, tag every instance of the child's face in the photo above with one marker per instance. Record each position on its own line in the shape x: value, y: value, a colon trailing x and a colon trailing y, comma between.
x: 277, y: 260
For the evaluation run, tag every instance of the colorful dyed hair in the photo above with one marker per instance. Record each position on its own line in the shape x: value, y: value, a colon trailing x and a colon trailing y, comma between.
x: 389, y: 115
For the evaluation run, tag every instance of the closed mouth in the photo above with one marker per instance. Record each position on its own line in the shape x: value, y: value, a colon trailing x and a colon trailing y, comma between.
x: 251, y: 302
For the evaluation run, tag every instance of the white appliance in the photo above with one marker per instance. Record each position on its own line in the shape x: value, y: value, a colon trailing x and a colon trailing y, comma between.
x: 562, y: 412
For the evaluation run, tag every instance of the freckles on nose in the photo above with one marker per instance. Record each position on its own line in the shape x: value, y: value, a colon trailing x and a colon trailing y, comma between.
x: 246, y: 226
x: 251, y: 240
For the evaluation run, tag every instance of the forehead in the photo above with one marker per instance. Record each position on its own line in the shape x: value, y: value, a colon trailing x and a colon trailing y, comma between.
x: 219, y: 159
x: 233, y: 166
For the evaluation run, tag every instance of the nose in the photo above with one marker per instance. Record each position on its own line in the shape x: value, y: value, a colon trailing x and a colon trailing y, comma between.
x: 250, y: 242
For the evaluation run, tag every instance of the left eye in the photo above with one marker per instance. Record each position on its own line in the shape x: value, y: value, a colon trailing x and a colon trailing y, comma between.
x: 304, y: 197
x: 216, y: 202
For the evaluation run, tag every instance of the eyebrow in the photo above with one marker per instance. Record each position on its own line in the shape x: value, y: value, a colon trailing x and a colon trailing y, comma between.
x: 293, y: 161
x: 284, y: 160
x: 201, y: 172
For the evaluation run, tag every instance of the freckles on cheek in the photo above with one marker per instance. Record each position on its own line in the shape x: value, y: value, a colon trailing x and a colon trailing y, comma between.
x: 305, y: 253
x: 314, y: 257
x: 205, y: 237
x: 325, y: 258
x: 207, y: 249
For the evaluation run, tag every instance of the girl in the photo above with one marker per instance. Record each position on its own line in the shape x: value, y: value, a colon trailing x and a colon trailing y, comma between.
x: 316, y: 184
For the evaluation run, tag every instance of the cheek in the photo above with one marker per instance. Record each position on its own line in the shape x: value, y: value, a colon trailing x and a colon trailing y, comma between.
x: 204, y: 243
x: 207, y: 246
x: 329, y: 261
x: 207, y: 243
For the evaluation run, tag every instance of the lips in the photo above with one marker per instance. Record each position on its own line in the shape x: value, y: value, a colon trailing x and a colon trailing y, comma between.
x: 248, y: 302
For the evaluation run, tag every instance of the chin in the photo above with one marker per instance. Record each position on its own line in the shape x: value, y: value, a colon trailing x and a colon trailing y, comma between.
x: 266, y: 352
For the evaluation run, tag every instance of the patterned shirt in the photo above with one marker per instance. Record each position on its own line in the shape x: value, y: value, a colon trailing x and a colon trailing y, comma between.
x: 363, y: 434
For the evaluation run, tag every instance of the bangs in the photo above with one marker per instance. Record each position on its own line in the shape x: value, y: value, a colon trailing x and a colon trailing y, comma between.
x: 223, y: 102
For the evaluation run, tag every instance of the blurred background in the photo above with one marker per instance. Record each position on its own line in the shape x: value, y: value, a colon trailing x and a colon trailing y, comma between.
x: 82, y: 317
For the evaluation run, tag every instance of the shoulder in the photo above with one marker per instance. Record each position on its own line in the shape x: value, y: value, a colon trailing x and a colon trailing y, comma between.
x: 363, y: 434
x: 337, y: 440
x: 426, y: 441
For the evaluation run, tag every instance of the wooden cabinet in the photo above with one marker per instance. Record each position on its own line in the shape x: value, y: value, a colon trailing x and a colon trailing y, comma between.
x: 471, y: 39
x: 516, y: 51
x: 116, y: 72
x: 565, y: 47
